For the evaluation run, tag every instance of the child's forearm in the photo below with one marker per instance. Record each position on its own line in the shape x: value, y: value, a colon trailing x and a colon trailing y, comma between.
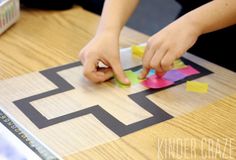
x: 212, y: 16
x: 115, y: 14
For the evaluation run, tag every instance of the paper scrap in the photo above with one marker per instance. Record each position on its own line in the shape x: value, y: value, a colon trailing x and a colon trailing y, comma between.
x: 138, y: 50
x: 188, y: 71
x: 194, y: 86
x: 174, y: 75
x: 155, y: 82
x: 151, y: 72
x: 178, y: 64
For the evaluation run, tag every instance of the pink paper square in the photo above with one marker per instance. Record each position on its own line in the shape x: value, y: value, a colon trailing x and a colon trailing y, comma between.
x: 155, y: 82
x: 188, y: 71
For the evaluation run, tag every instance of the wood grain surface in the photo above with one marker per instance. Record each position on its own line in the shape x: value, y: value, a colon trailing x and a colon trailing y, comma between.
x: 214, y: 121
x: 42, y: 39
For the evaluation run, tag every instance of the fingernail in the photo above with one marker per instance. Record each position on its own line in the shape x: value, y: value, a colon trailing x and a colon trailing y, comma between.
x: 140, y: 76
x: 143, y: 74
x: 160, y: 74
x: 127, y: 81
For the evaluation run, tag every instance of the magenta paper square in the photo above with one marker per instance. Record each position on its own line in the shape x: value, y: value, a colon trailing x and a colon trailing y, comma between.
x: 155, y: 82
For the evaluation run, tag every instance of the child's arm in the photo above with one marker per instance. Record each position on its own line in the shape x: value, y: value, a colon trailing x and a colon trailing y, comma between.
x: 175, y: 39
x: 104, y: 47
x: 115, y: 14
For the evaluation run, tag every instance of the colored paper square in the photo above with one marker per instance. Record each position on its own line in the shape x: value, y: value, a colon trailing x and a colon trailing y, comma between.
x: 155, y: 82
x: 132, y: 76
x: 138, y: 50
x: 194, y: 86
x: 188, y: 71
x: 174, y: 75
x: 121, y: 85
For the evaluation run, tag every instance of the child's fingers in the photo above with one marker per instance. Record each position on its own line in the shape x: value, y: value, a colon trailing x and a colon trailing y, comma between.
x: 149, y: 52
x: 104, y: 74
x: 118, y: 71
x: 90, y: 71
x: 168, y: 60
x: 144, y: 73
x: 160, y: 74
x: 156, y: 59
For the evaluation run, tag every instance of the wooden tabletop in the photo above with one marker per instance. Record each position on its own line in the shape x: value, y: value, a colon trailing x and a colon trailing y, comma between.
x: 45, y: 39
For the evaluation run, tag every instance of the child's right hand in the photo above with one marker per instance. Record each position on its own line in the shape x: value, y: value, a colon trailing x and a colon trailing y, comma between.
x: 102, y: 48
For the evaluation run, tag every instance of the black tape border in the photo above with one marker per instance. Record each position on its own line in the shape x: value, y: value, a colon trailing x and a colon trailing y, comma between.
x: 159, y: 115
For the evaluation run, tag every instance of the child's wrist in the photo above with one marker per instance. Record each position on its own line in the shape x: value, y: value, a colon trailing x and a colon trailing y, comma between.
x: 107, y: 33
x: 193, y: 25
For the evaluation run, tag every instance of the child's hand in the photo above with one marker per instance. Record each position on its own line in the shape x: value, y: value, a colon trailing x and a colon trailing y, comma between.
x: 167, y: 45
x: 102, y: 48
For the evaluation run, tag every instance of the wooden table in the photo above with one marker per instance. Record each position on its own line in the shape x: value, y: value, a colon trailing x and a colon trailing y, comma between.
x: 44, y: 39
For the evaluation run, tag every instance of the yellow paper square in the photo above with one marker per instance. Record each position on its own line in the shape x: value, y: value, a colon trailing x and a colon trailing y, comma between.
x: 138, y: 50
x: 194, y: 86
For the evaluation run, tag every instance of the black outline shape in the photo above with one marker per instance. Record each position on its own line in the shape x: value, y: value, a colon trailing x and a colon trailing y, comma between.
x: 159, y: 115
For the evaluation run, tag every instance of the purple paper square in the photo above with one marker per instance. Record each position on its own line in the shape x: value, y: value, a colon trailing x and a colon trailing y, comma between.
x: 174, y: 75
